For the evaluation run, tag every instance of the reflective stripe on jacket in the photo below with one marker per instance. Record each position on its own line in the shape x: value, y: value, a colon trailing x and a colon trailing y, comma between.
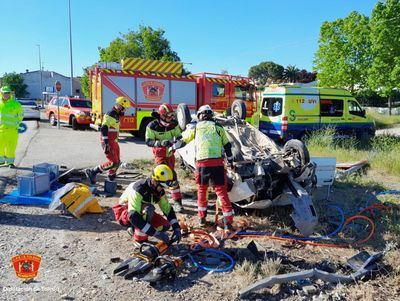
x: 210, y: 138
x: 10, y: 114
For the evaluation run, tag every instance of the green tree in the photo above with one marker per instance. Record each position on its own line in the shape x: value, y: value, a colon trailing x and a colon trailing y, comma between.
x: 304, y: 76
x: 290, y: 73
x: 85, y: 85
x: 344, y: 53
x: 145, y: 43
x: 384, y: 74
x: 267, y: 72
x: 16, y: 82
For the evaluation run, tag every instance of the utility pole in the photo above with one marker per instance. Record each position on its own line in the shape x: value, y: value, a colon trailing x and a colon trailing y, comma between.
x: 40, y: 72
x: 70, y: 47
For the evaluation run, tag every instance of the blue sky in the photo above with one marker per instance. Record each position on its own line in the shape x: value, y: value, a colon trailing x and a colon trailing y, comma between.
x: 210, y: 34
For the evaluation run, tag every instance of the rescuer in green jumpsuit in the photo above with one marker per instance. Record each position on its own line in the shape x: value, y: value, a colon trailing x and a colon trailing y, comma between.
x: 10, y: 118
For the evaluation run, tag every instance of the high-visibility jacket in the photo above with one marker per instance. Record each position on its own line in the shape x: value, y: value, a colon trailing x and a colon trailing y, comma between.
x: 140, y: 195
x: 110, y: 125
x: 10, y: 114
x: 210, y: 140
x: 156, y: 132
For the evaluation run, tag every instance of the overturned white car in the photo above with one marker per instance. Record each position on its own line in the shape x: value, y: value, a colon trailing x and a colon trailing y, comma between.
x: 264, y: 174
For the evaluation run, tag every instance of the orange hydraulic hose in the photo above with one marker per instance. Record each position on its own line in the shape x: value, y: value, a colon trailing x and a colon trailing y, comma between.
x: 202, y: 238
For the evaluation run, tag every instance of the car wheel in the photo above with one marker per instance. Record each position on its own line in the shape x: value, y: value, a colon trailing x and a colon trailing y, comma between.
x: 74, y: 123
x: 52, y: 119
x: 238, y: 109
x: 183, y: 115
x: 143, y: 126
x: 297, y: 152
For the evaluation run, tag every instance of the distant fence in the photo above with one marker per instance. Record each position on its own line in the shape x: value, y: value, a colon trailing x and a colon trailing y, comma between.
x: 384, y: 111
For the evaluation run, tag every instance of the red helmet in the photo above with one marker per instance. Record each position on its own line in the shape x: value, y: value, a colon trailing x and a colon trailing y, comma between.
x: 166, y: 110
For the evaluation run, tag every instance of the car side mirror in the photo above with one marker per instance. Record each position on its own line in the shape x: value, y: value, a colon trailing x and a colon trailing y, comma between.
x: 66, y: 106
x: 363, y: 113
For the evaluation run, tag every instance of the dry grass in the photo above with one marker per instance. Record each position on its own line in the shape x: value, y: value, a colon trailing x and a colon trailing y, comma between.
x: 247, y: 273
x: 250, y: 272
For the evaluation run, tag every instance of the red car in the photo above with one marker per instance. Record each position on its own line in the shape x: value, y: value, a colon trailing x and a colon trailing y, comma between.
x: 73, y: 111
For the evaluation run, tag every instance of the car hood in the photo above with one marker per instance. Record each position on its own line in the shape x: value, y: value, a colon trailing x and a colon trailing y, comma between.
x: 81, y: 109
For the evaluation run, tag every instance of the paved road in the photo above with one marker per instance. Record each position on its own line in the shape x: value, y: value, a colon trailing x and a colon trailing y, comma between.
x: 78, y: 149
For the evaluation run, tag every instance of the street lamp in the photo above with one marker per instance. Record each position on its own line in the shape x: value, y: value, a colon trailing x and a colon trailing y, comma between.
x: 70, y: 47
x: 40, y: 73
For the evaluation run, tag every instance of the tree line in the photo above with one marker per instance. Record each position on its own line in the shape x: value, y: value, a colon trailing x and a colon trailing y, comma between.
x: 362, y: 53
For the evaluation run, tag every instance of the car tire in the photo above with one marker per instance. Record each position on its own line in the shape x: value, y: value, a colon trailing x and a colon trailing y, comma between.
x: 52, y: 119
x: 74, y: 123
x: 183, y: 115
x: 298, y: 149
x: 134, y: 133
x: 143, y: 126
x: 238, y: 109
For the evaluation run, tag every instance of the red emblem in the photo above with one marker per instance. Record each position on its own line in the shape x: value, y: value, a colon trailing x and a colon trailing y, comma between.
x: 26, y: 266
x: 153, y: 90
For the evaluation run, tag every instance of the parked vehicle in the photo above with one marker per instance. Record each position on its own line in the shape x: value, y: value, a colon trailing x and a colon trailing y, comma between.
x: 149, y: 83
x: 289, y: 111
x: 73, y: 111
x: 30, y: 109
x: 264, y: 174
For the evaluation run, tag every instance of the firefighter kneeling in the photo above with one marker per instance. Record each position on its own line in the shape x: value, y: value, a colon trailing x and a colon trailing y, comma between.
x: 136, y: 207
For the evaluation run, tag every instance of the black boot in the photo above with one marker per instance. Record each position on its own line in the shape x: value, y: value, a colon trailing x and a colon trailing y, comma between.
x: 91, y: 174
x: 112, y: 177
x: 202, y: 222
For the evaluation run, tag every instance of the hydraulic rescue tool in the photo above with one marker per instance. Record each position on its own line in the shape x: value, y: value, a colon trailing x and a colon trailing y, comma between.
x: 141, y: 262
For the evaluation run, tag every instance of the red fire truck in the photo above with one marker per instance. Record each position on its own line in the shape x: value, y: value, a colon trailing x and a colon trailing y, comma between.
x: 149, y: 83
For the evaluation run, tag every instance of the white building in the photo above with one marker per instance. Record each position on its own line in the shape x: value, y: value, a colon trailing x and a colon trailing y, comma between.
x: 32, y: 80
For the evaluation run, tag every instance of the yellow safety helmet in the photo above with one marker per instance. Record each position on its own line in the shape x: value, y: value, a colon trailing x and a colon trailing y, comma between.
x: 163, y: 175
x: 122, y: 101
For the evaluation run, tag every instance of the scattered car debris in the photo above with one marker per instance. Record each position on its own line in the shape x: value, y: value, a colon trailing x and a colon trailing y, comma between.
x: 344, y: 169
x: 366, y: 264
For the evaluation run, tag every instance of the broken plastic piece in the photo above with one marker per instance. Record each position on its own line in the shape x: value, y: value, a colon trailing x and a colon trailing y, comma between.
x: 367, y: 267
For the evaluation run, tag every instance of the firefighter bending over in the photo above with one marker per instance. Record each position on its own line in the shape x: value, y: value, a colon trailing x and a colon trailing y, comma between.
x: 136, y: 207
x: 160, y: 135
x: 109, y: 141
x: 210, y: 142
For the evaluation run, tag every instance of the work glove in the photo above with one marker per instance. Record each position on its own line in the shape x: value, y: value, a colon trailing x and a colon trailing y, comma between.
x: 162, y: 236
x: 106, y: 148
x: 148, y: 212
x: 230, y: 162
x: 176, y: 236
x: 165, y: 143
x: 178, y: 144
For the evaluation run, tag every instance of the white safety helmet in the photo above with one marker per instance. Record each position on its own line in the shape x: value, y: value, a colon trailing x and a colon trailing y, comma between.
x: 206, y: 110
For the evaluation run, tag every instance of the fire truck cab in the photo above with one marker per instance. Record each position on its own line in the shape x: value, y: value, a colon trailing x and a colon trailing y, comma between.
x: 221, y: 90
x: 149, y: 83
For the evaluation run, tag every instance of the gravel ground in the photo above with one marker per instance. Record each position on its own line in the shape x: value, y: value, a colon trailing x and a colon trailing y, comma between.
x: 76, y: 262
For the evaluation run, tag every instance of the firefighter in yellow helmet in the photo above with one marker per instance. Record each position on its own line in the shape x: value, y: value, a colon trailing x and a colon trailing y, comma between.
x: 136, y: 207
x: 10, y: 118
x: 109, y: 141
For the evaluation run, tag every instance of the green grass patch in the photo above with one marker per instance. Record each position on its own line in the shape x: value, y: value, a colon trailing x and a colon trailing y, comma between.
x: 383, y: 121
x: 382, y: 152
